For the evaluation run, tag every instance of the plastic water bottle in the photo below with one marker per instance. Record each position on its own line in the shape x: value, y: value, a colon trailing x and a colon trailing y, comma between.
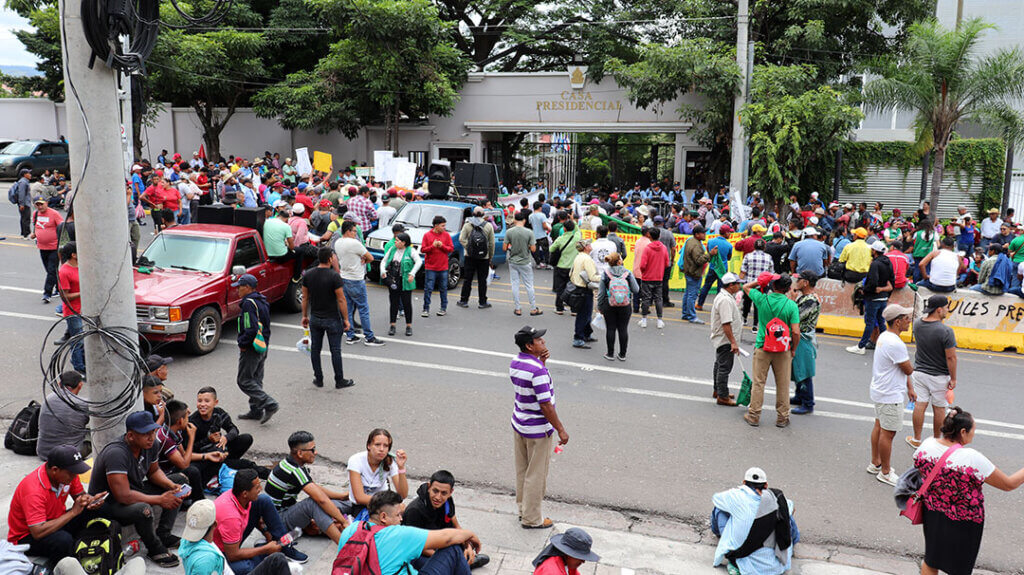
x: 910, y: 405
x: 131, y: 548
x: 290, y: 537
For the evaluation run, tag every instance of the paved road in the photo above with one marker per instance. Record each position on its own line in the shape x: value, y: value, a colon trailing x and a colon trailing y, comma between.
x: 645, y: 434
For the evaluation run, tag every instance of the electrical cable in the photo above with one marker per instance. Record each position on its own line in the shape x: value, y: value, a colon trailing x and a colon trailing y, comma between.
x: 106, y: 21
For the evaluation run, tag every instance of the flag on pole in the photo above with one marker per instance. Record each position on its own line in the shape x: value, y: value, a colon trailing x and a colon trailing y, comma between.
x: 202, y: 152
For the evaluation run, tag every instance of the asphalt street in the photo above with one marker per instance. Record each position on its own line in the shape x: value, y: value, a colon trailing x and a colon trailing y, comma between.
x: 646, y: 437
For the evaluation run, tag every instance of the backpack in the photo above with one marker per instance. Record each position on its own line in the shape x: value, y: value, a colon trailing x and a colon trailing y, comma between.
x: 99, y: 547
x: 776, y: 335
x: 477, y: 248
x: 618, y: 290
x: 23, y: 433
x: 12, y: 193
x: 358, y: 556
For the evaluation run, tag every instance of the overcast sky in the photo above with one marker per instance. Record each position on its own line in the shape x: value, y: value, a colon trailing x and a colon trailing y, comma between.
x: 12, y: 52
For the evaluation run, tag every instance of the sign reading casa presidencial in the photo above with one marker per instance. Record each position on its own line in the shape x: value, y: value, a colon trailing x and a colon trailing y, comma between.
x: 579, y: 101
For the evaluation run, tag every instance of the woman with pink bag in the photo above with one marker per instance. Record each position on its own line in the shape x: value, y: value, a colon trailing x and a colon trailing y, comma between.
x: 954, y: 505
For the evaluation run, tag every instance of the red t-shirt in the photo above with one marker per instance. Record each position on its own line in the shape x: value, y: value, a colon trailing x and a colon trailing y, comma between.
x: 36, y: 502
x: 170, y: 198
x: 305, y: 201
x: 67, y: 281
x: 231, y: 520
x: 436, y: 259
x: 899, y: 268
x: 44, y: 224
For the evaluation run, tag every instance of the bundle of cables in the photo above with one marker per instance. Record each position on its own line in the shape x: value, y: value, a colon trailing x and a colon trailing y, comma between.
x: 106, y: 21
x: 121, y: 349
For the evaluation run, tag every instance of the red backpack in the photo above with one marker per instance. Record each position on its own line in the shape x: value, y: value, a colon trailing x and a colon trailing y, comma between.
x: 358, y: 556
x: 776, y: 335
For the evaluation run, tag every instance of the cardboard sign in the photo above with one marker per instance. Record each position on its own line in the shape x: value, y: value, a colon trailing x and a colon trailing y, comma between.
x: 302, y: 163
x: 404, y: 173
x: 382, y: 165
x: 322, y: 162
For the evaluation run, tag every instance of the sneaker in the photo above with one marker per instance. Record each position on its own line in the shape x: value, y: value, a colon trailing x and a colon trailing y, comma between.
x: 753, y: 330
x: 294, y: 555
x: 870, y: 346
x: 802, y: 410
x: 46, y: 299
x: 165, y: 559
x: 391, y: 330
x: 580, y: 344
x: 856, y: 349
x: 874, y: 469
x: 352, y: 340
x: 890, y: 479
x: 373, y: 342
x: 408, y: 330
x: 697, y: 321
x: 643, y: 322
x: 609, y: 357
x: 484, y: 305
x: 462, y: 303
x: 252, y: 415
x: 442, y: 312
x: 401, y: 313
x: 591, y: 339
x: 426, y: 313
x: 318, y: 382
x: 661, y: 324
x: 269, y: 412
x: 622, y: 358
x: 344, y: 383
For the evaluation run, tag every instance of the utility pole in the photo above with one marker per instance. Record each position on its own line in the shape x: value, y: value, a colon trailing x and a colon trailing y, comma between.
x: 736, y: 180
x: 96, y: 164
x: 746, y: 145
x: 959, y: 12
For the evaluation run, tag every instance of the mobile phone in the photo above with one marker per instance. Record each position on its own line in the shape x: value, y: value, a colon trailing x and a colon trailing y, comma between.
x: 183, y: 491
x: 100, y: 498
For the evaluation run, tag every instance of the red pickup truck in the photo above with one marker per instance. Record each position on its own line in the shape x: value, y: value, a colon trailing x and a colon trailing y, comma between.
x: 187, y: 295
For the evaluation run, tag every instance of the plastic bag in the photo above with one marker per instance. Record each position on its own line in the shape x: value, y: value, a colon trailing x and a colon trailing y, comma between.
x: 490, y: 275
x: 598, y: 322
x: 303, y: 344
x: 743, y: 397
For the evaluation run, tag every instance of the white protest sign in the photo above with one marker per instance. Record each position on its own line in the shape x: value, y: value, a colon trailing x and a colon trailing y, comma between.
x: 382, y: 165
x: 302, y: 163
x: 404, y: 173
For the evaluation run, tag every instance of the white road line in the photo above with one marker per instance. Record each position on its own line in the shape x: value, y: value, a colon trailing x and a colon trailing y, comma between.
x: 588, y: 367
x: 26, y: 290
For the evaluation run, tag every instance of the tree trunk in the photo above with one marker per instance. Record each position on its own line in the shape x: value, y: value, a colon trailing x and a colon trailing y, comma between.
x: 940, y: 166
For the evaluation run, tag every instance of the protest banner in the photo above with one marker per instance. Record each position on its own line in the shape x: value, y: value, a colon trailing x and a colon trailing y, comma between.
x: 382, y: 161
x: 302, y: 163
x: 322, y: 161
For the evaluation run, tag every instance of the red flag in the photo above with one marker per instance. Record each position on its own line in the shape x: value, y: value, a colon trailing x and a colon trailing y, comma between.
x: 202, y: 151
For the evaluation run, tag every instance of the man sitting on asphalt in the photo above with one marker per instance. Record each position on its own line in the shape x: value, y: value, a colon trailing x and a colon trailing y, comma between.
x: 434, y: 509
x: 397, y: 545
x: 231, y: 445
x: 177, y: 441
x: 39, y: 516
x: 128, y: 469
x: 324, y: 507
x: 61, y: 424
x: 239, y: 511
x: 755, y: 526
x: 201, y: 557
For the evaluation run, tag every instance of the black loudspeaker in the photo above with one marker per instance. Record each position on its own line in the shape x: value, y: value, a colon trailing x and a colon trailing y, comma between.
x: 216, y: 214
x: 439, y: 179
x: 476, y: 181
x: 250, y: 218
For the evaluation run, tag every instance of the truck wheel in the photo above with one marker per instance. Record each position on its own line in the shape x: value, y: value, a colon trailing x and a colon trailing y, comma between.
x: 454, y: 273
x: 23, y: 167
x: 203, y: 331
x: 293, y: 297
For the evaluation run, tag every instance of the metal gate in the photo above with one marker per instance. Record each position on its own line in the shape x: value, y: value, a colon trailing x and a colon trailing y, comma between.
x: 1017, y: 194
x: 898, y: 189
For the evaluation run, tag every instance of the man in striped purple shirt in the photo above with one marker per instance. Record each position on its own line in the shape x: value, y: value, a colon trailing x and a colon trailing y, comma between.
x: 533, y: 420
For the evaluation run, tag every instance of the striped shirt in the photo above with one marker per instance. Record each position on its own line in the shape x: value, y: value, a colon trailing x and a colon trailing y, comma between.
x: 286, y: 481
x: 532, y: 385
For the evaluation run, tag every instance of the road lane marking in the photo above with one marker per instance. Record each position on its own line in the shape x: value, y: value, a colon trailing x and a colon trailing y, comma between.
x: 642, y: 374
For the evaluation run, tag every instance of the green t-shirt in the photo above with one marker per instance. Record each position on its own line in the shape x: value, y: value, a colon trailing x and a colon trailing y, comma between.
x: 275, y: 234
x: 771, y: 306
x: 519, y: 240
x: 922, y: 246
x: 569, y: 251
x: 1018, y: 245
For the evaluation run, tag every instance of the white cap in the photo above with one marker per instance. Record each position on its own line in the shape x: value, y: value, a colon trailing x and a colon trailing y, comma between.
x: 200, y: 517
x: 810, y: 231
x: 753, y: 475
x: 878, y: 246
x: 280, y: 204
x: 814, y: 195
x: 730, y: 278
x: 136, y: 167
x: 813, y: 220
x: 298, y: 208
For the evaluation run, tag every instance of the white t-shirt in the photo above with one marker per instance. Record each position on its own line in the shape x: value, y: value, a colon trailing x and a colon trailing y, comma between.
x: 888, y: 382
x: 373, y: 481
x: 965, y: 458
x: 350, y: 253
x: 599, y: 250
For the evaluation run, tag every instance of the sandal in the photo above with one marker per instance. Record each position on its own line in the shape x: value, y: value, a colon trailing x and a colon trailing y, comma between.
x: 165, y: 559
x: 915, y: 443
x: 536, y: 311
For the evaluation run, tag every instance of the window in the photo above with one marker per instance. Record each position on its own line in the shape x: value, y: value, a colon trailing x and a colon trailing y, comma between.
x: 453, y: 154
x: 418, y: 158
x: 247, y: 253
x: 20, y: 148
x: 184, y: 252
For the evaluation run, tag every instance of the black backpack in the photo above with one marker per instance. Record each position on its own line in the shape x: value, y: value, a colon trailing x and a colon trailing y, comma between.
x: 24, y: 430
x: 99, y: 547
x: 477, y: 248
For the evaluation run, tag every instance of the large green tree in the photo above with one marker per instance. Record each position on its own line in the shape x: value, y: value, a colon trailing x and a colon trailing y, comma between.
x: 941, y: 77
x: 396, y: 58
x: 42, y: 40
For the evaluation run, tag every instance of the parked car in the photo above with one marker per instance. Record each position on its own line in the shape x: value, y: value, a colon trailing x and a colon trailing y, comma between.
x: 417, y: 218
x: 4, y: 142
x: 35, y: 155
x: 187, y: 295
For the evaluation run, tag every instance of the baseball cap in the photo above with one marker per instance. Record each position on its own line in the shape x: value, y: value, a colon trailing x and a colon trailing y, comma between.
x: 758, y: 228
x: 893, y: 311
x: 848, y: 206
x: 755, y: 475
x: 140, y: 422
x: 24, y: 171
x: 878, y: 246
x: 200, y: 517
x: 154, y: 361
x: 935, y: 302
x: 67, y: 457
x: 814, y: 194
x: 659, y: 220
x: 723, y: 229
x: 39, y: 200
x: 810, y: 231
x: 245, y: 280
x: 136, y: 167
x: 730, y: 278
x: 298, y: 209
x: 302, y: 185
x: 527, y: 334
x: 860, y: 233
x: 280, y: 204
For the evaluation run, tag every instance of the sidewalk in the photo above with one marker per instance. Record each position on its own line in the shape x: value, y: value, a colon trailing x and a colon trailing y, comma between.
x: 627, y: 545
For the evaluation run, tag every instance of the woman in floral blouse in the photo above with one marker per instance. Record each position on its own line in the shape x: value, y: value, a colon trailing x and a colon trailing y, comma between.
x: 954, y: 516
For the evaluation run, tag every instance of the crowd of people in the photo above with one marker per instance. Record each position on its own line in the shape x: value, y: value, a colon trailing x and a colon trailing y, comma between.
x: 171, y: 457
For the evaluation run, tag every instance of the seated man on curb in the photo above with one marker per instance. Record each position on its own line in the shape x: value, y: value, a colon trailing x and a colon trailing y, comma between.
x: 755, y: 525
x: 202, y: 557
x: 324, y: 507
x: 152, y: 398
x: 39, y: 516
x: 208, y: 416
x: 128, y: 469
x: 239, y: 511
x: 434, y: 509
x: 177, y: 441
x: 59, y: 423
x: 398, y: 545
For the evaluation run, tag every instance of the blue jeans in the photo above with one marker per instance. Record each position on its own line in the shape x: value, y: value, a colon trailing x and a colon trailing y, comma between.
x: 805, y: 392
x: 430, y: 279
x: 709, y: 280
x: 184, y: 218
x: 690, y: 297
x: 262, y: 508
x: 940, y: 289
x: 333, y: 328
x: 447, y: 561
x: 355, y: 296
x: 872, y: 319
x: 78, y: 351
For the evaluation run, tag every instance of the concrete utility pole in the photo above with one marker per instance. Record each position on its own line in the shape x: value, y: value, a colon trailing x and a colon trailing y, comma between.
x: 100, y: 207
x: 736, y: 179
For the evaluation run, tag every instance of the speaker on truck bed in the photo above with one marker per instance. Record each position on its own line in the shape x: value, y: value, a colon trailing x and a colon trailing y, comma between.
x: 250, y: 218
x: 476, y: 181
x: 439, y: 179
x: 216, y: 214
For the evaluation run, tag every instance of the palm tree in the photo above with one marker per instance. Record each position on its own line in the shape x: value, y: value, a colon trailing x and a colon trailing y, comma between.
x: 941, y: 78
